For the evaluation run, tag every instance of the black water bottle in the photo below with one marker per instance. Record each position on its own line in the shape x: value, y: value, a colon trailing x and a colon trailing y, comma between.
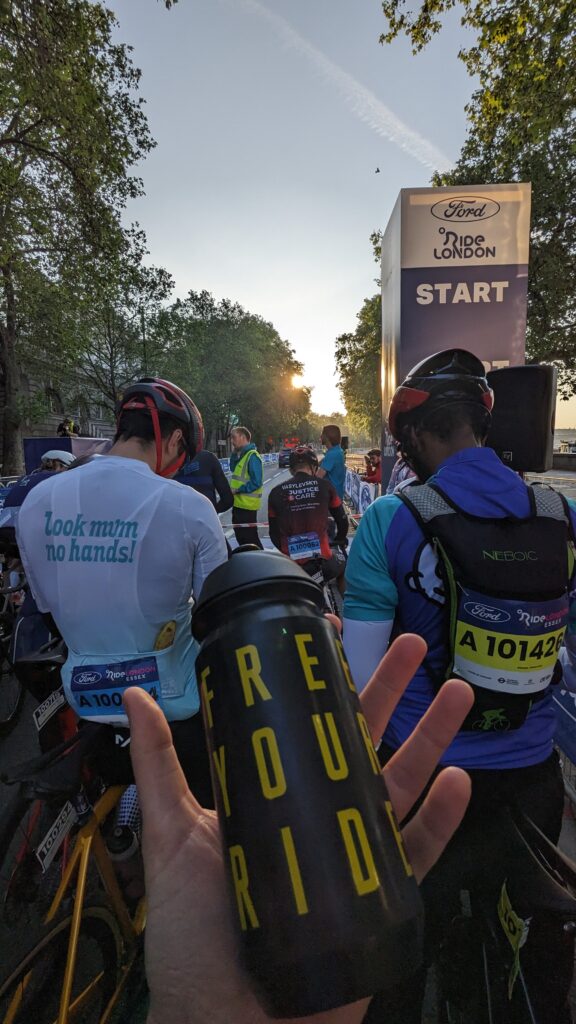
x: 328, y: 910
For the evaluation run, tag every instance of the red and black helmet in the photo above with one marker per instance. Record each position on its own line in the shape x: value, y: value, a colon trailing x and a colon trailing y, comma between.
x: 301, y: 455
x: 154, y: 395
x: 451, y: 376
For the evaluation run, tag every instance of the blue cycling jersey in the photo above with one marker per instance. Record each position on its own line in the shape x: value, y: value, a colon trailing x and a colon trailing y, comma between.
x: 392, y: 575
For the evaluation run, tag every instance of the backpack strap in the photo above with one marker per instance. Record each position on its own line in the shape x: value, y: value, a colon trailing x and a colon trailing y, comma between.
x: 425, y: 503
x: 550, y: 504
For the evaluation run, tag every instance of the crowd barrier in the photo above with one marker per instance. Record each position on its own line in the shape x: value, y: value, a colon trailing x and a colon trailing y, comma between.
x: 359, y: 493
x: 270, y: 457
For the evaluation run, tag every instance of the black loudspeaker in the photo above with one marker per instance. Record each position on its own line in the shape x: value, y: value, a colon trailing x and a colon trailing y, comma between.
x: 344, y: 443
x: 522, y: 431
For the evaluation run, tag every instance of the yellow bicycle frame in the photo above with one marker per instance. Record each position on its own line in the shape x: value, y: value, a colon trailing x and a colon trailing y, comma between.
x: 90, y: 844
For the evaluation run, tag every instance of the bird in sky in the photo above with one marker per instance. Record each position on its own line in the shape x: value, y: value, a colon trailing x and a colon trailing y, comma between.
x: 377, y: 171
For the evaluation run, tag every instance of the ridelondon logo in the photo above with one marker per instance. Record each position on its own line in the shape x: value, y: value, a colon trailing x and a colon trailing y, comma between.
x: 454, y: 246
x: 465, y: 209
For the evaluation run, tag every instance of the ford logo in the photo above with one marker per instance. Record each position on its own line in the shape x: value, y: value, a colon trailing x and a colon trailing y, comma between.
x: 485, y: 612
x: 85, y: 678
x: 465, y: 209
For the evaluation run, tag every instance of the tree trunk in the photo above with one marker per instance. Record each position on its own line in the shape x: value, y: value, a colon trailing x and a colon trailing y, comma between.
x: 12, y: 451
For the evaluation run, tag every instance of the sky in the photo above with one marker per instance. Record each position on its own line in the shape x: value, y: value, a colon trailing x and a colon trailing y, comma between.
x: 270, y: 119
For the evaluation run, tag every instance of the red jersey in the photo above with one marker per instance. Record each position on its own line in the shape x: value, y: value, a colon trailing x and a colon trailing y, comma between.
x: 298, y: 511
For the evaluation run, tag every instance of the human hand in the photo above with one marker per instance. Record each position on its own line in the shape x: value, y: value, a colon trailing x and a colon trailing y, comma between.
x: 192, y: 955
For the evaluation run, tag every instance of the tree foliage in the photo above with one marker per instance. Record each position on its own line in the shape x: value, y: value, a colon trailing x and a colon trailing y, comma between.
x: 80, y: 315
x: 522, y: 127
x: 358, y: 359
x: 119, y: 335
x: 71, y: 130
x: 234, y: 364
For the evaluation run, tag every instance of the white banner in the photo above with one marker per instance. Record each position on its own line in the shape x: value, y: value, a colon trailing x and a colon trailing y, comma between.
x: 360, y: 493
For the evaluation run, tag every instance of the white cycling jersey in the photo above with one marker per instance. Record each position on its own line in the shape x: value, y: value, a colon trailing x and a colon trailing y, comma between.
x: 115, y: 553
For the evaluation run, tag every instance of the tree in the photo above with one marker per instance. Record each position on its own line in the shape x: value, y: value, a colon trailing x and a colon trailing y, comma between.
x: 235, y: 366
x: 358, y: 359
x: 70, y: 131
x: 522, y: 127
x: 121, y: 334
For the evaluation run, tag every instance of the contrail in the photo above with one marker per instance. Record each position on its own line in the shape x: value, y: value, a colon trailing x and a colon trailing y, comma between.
x: 363, y: 103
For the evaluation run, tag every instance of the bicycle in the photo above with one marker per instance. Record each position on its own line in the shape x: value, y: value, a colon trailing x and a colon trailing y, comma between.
x: 11, y: 692
x: 332, y: 597
x: 508, y: 956
x: 78, y: 940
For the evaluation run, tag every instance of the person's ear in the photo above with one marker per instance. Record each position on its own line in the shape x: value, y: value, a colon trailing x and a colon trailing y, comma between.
x: 175, y: 442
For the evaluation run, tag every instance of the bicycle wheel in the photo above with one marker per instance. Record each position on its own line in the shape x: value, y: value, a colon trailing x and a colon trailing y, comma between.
x: 333, y: 598
x: 30, y: 990
x: 11, y: 695
x: 33, y: 834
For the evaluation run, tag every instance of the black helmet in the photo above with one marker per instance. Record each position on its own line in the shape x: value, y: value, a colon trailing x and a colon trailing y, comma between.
x: 154, y: 395
x: 452, y: 376
x: 301, y: 455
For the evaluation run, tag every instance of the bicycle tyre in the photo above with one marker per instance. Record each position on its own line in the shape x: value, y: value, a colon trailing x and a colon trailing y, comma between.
x: 333, y: 598
x: 35, y: 978
x: 26, y: 889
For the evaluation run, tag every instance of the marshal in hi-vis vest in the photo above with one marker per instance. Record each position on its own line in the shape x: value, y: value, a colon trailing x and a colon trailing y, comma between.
x: 239, y: 478
x: 507, y: 584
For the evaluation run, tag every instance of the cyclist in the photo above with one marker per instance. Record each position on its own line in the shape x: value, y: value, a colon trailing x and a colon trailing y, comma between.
x: 479, y: 569
x: 205, y: 474
x: 30, y: 631
x: 53, y: 461
x: 298, y: 516
x: 333, y: 464
x: 57, y: 460
x: 401, y: 476
x: 114, y: 552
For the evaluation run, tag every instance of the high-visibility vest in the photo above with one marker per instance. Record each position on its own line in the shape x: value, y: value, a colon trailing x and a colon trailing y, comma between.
x: 239, y: 478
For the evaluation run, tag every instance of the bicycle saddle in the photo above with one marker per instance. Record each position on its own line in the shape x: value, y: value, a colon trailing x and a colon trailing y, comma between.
x: 59, y: 772
x: 39, y: 671
x: 540, y: 876
x: 52, y: 653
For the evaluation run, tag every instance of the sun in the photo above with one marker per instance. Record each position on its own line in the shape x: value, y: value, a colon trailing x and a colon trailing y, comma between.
x: 297, y: 380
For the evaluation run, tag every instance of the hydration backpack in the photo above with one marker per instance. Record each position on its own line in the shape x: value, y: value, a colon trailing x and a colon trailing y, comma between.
x: 507, y: 597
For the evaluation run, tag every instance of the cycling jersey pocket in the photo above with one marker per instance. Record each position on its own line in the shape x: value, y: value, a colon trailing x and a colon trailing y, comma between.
x: 95, y: 683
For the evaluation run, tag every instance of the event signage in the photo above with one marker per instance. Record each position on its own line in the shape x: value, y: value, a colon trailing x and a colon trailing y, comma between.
x: 359, y: 493
x: 454, y: 274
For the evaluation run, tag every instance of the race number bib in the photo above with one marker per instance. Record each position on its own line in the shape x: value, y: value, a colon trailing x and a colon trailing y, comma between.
x: 98, y: 688
x: 304, y: 545
x: 507, y: 645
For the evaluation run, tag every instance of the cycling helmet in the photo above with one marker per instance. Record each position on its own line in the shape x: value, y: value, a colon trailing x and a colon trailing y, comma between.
x: 58, y: 455
x: 451, y: 376
x: 302, y: 455
x: 156, y: 396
